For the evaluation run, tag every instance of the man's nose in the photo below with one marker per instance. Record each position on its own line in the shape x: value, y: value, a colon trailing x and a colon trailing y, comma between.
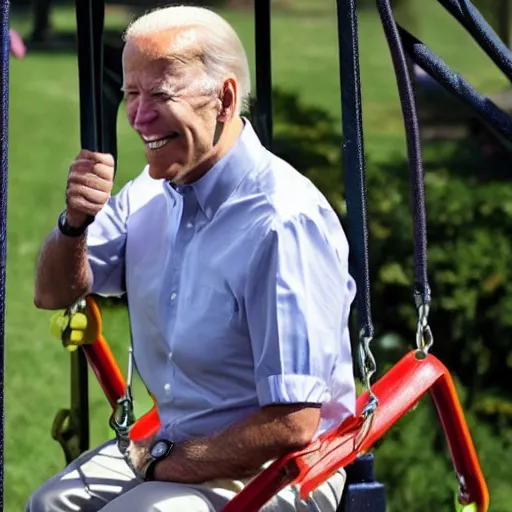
x: 144, y: 115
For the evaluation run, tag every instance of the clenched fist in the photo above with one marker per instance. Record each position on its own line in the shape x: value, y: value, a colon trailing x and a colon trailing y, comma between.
x: 90, y: 182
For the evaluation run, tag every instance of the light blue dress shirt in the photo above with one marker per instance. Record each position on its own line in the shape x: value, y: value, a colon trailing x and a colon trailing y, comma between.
x: 238, y: 291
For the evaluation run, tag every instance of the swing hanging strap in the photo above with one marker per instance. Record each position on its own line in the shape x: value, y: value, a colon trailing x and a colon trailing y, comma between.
x: 355, y: 181
x: 421, y: 290
x: 354, y: 166
x: 4, y: 122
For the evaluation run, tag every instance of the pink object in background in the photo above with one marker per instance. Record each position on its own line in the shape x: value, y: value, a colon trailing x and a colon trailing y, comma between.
x: 18, y: 48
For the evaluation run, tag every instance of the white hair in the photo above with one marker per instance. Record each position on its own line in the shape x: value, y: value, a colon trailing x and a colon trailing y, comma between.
x: 222, y: 51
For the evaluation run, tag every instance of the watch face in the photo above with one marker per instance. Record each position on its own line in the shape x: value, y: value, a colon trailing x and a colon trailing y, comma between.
x: 159, y: 449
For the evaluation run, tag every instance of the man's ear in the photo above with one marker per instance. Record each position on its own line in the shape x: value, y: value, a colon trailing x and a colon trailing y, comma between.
x: 228, y: 100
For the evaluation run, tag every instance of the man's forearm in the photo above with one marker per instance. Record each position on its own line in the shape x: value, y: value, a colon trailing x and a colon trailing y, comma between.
x: 241, y: 450
x: 63, y: 274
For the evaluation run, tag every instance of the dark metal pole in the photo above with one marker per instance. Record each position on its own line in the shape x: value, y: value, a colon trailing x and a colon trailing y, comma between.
x: 504, y: 21
x: 90, y: 16
x: 4, y: 117
x: 71, y: 426
x: 262, y: 17
x: 90, y: 19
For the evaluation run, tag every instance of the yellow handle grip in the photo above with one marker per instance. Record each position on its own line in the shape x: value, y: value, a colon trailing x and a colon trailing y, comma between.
x: 72, y: 329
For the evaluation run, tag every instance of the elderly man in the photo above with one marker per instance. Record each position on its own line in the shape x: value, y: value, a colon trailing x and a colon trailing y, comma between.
x: 235, y: 269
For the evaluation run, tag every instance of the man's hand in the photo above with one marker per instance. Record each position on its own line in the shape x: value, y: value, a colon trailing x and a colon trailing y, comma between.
x: 137, y: 455
x: 90, y: 182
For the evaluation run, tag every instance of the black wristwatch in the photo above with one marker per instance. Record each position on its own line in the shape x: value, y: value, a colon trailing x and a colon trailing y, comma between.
x: 72, y: 231
x: 160, y: 450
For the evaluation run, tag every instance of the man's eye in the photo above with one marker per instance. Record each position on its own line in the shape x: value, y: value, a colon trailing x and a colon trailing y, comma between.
x: 165, y: 96
x: 131, y: 94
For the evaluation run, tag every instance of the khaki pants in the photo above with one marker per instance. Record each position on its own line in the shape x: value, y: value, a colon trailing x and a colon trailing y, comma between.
x: 101, y: 480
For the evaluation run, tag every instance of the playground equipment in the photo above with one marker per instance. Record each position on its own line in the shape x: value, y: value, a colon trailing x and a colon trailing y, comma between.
x: 384, y: 402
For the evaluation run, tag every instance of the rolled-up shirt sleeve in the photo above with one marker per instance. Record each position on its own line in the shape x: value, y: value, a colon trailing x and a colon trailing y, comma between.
x: 298, y: 296
x: 106, y: 242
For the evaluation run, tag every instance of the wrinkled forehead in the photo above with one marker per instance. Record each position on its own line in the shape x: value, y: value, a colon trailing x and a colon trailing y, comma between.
x: 171, y: 55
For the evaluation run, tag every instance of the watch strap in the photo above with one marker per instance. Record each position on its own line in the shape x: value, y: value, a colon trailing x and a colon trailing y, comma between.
x: 148, y: 472
x: 72, y: 231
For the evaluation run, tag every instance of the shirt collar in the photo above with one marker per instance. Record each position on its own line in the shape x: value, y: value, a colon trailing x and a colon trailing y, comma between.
x: 214, y: 188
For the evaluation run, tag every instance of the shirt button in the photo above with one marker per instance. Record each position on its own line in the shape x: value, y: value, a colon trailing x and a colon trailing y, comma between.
x: 170, y: 356
x: 190, y: 225
x: 173, y: 295
x: 167, y: 389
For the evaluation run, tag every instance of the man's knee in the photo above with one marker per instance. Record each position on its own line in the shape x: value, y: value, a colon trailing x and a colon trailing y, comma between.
x: 86, y: 484
x: 52, y: 497
x: 328, y: 495
x: 161, y: 497
x: 40, y: 501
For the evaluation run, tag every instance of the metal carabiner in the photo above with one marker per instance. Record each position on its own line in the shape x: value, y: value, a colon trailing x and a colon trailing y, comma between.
x: 424, y: 336
x: 368, y: 368
x: 124, y: 416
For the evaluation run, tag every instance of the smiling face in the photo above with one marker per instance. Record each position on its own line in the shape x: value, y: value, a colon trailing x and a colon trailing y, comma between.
x: 171, y: 104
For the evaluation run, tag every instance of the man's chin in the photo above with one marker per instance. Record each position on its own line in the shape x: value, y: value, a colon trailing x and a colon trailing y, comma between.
x: 170, y: 173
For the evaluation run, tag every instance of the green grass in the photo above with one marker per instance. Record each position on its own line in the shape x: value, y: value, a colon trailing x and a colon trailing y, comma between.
x: 44, y: 140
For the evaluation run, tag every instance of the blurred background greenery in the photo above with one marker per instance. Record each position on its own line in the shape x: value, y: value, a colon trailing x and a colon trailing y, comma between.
x: 469, y: 199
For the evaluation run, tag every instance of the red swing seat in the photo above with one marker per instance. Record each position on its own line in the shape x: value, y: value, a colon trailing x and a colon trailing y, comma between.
x: 398, y: 391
